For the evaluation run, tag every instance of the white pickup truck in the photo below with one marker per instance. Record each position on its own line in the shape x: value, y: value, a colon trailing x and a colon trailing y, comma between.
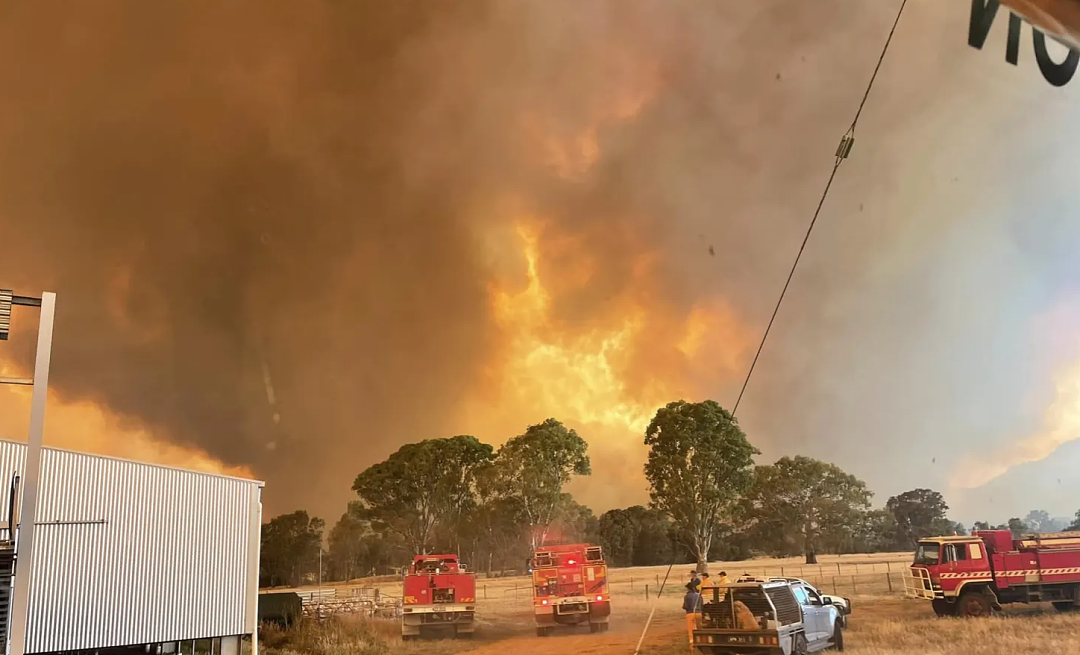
x: 767, y: 617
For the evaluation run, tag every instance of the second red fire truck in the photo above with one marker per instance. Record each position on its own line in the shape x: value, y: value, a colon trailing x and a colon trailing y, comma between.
x: 570, y: 587
x: 975, y: 575
x: 438, y: 596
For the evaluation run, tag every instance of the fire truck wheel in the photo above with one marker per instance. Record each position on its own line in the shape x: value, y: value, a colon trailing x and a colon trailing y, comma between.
x: 1065, y: 606
x: 544, y: 631
x: 974, y: 604
x: 943, y: 607
x: 838, y: 637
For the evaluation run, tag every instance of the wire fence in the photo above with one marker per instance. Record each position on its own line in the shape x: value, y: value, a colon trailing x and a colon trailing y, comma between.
x: 871, y: 578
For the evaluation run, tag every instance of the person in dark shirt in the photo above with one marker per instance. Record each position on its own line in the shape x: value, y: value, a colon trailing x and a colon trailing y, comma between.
x: 692, y: 606
x: 694, y: 583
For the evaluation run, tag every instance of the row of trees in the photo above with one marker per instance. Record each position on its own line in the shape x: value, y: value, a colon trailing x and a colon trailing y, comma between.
x: 701, y: 473
x: 1037, y: 520
x: 456, y: 495
x: 637, y: 536
x: 708, y: 500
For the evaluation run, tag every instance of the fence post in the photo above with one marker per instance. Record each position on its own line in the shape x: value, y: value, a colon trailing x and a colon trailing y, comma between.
x: 853, y: 588
x: 888, y: 566
x: 657, y: 579
x: 631, y: 584
x: 834, y: 584
x: 782, y: 574
x: 646, y: 592
x: 888, y: 576
x: 838, y: 571
x: 485, y: 592
x: 857, y: 568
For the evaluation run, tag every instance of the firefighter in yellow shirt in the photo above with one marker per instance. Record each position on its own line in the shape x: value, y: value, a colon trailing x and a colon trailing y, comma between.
x: 707, y: 585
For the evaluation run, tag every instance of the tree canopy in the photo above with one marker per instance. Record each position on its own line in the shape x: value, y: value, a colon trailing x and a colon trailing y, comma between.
x: 636, y: 536
x: 532, y: 469
x: 699, y: 466
x: 290, y: 544
x: 420, y: 485
x: 919, y: 513
x: 802, y: 501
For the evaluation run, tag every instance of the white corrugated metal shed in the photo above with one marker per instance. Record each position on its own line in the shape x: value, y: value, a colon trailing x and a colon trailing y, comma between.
x: 128, y: 553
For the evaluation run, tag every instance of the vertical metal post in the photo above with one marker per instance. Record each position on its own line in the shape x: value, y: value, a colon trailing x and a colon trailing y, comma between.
x: 24, y: 545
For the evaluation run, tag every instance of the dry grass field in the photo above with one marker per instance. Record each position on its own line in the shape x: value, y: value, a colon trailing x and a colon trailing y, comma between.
x: 883, y: 623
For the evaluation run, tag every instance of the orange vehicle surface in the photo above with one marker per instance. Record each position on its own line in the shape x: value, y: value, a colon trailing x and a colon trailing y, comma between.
x: 570, y: 587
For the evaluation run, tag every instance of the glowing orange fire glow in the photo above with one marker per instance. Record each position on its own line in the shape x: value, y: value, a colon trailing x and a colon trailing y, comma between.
x: 605, y: 377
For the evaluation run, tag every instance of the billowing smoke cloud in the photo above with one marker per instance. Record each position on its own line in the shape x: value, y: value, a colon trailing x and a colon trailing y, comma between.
x: 296, y: 236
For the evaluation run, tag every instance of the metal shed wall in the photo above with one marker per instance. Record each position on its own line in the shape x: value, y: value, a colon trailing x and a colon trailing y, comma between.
x: 128, y: 553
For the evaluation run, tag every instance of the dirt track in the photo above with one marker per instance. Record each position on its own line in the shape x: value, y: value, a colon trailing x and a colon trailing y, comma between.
x: 621, y: 638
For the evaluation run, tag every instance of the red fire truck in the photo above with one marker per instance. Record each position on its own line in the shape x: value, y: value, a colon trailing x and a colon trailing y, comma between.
x: 973, y: 576
x: 570, y: 587
x: 438, y: 595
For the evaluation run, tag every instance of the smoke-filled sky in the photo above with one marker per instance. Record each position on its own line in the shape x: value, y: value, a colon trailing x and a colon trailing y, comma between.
x: 289, y: 237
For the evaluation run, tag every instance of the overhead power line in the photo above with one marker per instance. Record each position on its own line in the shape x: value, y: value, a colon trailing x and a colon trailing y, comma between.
x: 842, y: 152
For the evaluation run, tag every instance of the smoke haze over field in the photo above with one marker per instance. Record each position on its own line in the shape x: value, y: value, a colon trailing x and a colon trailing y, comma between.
x: 289, y: 238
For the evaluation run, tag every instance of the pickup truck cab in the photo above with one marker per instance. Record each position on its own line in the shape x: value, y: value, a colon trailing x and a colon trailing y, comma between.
x: 767, y: 617
x: 842, y: 604
x: 839, y: 602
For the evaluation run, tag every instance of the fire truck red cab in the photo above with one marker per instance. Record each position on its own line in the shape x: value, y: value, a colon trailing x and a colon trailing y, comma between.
x: 570, y: 587
x: 438, y: 596
x: 973, y: 576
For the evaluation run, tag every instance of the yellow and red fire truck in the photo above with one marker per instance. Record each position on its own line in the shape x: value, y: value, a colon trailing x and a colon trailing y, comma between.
x: 570, y: 587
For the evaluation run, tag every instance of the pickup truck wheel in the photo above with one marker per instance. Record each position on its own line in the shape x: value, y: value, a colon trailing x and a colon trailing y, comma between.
x: 798, y: 645
x: 974, y: 604
x: 838, y: 637
x: 943, y: 607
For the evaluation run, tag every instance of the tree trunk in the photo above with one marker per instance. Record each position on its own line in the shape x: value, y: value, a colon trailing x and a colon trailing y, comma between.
x: 701, y: 549
x: 808, y: 541
x: 702, y: 563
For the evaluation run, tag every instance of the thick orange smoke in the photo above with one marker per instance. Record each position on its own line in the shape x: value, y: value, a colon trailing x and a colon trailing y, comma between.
x: 323, y: 231
x: 85, y: 426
